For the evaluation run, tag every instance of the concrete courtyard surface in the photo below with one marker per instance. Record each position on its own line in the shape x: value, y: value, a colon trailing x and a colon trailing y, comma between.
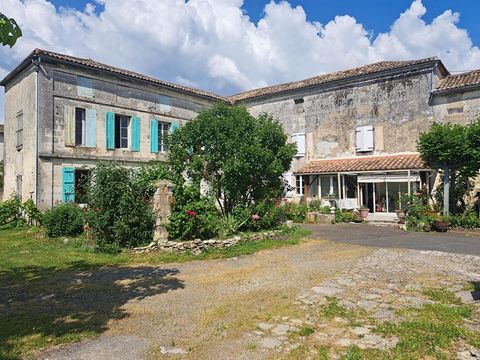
x: 267, y: 305
x: 392, y: 237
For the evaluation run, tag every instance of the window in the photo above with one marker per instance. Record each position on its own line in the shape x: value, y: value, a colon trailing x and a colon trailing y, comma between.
x: 328, y: 186
x: 299, y: 140
x: 20, y: 130
x: 163, y: 129
x: 80, y: 124
x: 122, y: 124
x: 18, y: 186
x: 82, y: 180
x: 299, y: 185
x: 364, y: 137
x: 2, y: 138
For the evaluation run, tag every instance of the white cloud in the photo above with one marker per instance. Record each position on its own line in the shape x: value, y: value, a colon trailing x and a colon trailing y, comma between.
x: 212, y: 44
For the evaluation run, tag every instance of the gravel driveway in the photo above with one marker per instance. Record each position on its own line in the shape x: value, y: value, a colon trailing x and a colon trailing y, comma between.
x: 208, y: 307
x: 249, y: 307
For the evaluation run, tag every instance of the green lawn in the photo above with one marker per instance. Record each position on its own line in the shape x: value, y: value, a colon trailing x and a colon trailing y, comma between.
x: 60, y: 290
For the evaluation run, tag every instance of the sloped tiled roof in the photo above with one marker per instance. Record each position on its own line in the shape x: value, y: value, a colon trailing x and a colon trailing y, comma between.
x: 330, y: 77
x: 458, y: 81
x: 410, y: 161
x: 97, y: 65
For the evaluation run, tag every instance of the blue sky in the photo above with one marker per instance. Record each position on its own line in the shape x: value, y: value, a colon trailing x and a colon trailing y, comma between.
x: 228, y: 46
x: 375, y: 15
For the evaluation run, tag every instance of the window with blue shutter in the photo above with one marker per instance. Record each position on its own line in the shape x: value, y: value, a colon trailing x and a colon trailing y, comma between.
x: 110, y: 130
x: 68, y: 184
x: 135, y: 133
x: 153, y: 136
x: 91, y: 128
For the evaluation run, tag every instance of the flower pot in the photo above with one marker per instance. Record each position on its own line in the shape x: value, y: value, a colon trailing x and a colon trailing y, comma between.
x: 363, y: 212
x: 441, y: 225
x: 400, y: 214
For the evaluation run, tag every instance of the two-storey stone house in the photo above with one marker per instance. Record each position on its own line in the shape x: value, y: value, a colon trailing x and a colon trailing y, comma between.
x: 356, y: 130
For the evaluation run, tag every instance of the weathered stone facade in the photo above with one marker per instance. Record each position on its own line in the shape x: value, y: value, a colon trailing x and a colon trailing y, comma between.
x: 391, y: 101
x: 57, y: 88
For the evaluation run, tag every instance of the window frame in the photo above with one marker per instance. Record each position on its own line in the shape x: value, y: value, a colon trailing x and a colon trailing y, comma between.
x: 83, y: 126
x: 120, y: 137
x: 19, y: 131
x: 162, y: 132
x: 299, y: 182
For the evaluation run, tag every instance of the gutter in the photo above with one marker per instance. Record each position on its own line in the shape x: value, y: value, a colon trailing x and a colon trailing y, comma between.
x: 36, y: 63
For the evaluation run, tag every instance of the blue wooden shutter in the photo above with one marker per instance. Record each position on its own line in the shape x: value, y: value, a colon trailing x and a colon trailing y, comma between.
x: 91, y: 128
x: 68, y: 184
x: 110, y: 129
x: 135, y: 133
x: 154, y: 136
x: 174, y: 126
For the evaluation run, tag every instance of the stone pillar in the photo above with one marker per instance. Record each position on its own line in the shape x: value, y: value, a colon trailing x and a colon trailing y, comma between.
x: 162, y: 203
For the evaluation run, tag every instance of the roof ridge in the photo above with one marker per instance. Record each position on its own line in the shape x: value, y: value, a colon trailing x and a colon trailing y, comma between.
x: 336, y: 75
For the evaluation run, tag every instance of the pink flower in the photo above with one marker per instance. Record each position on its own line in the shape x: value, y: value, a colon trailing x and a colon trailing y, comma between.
x: 255, y: 217
x: 191, y: 213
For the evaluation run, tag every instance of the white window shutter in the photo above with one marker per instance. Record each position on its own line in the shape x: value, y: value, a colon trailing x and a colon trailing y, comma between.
x: 359, y: 137
x: 368, y: 138
x: 364, y: 138
x: 299, y: 140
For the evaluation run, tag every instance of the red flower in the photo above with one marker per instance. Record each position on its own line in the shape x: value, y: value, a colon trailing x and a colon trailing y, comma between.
x: 191, y: 213
x: 255, y: 217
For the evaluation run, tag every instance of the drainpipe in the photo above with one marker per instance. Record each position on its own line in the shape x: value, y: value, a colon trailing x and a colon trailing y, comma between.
x: 36, y: 63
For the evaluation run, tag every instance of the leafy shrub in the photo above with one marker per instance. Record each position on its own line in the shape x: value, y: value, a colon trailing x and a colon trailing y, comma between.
x: 295, y: 212
x: 63, y: 220
x: 192, y: 216
x: 315, y: 205
x: 344, y: 216
x: 120, y: 211
x: 467, y: 220
x: 31, y: 214
x: 11, y: 212
x: 228, y: 225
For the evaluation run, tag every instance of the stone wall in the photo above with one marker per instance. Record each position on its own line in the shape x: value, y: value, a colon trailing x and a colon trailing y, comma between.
x: 397, y: 106
x: 457, y: 107
x: 58, y: 84
x: 20, y: 98
x: 198, y: 246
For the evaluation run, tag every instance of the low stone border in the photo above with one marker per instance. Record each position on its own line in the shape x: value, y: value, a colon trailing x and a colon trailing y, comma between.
x: 197, y: 246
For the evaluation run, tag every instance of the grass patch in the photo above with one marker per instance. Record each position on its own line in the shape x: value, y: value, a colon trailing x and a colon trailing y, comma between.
x: 427, y: 331
x: 442, y: 296
x: 61, y: 290
x: 305, y: 331
x: 355, y: 353
x: 333, y: 309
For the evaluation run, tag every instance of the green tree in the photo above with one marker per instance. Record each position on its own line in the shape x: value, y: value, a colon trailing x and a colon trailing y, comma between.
x: 9, y: 31
x: 454, y: 149
x: 238, y: 157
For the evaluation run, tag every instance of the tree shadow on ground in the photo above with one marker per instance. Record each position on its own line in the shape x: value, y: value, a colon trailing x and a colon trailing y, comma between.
x: 475, y: 290
x: 40, y: 306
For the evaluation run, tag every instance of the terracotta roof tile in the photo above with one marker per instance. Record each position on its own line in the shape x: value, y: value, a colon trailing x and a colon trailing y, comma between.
x: 97, y: 65
x: 339, y: 75
x: 458, y: 81
x: 364, y: 163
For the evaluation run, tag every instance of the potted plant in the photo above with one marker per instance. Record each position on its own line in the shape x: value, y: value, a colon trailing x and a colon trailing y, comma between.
x: 440, y: 224
x: 363, y: 211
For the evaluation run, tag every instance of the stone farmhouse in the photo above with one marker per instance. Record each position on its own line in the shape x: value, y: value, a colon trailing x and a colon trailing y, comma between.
x: 355, y: 130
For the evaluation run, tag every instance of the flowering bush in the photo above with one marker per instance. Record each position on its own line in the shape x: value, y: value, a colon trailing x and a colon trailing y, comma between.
x: 192, y: 216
